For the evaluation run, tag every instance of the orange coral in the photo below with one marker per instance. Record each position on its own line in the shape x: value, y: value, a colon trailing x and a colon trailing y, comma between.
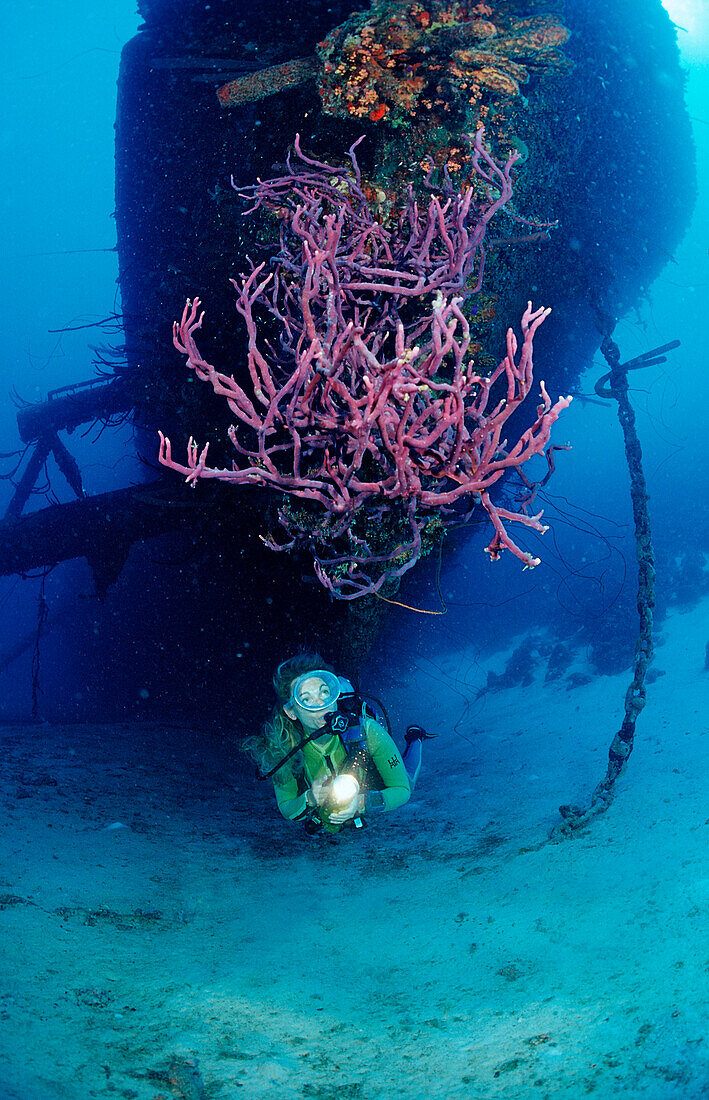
x: 395, y: 56
x: 490, y: 69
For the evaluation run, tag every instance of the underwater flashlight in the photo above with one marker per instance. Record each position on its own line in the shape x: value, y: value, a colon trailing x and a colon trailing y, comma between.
x: 343, y: 789
x: 337, y: 792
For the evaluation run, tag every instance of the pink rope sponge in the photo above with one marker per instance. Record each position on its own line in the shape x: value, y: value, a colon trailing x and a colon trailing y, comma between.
x: 369, y: 415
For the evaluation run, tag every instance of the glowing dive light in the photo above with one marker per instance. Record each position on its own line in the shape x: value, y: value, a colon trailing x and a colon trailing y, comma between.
x: 343, y: 789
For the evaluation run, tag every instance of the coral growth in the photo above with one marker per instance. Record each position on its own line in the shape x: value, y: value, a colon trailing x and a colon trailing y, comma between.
x: 423, y: 74
x: 266, y: 82
x: 402, y: 58
x: 367, y: 411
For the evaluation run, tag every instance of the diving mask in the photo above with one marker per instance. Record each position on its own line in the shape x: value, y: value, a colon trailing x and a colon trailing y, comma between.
x: 315, y: 691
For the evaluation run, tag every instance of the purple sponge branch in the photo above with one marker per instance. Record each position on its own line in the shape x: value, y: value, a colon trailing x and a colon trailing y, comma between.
x: 371, y: 412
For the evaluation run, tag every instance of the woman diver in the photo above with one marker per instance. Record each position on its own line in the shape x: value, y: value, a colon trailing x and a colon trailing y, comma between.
x: 326, y: 748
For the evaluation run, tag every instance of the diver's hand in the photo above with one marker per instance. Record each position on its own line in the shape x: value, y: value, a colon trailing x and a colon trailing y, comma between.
x: 317, y: 793
x: 354, y: 808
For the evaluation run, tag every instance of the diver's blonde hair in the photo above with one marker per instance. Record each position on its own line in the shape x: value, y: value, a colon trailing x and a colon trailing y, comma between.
x: 280, y: 733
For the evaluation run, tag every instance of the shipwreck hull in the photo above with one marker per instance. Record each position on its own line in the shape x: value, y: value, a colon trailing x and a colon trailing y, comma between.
x: 609, y: 157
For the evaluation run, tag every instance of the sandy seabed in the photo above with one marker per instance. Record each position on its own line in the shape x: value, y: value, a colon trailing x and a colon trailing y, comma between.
x: 163, y: 933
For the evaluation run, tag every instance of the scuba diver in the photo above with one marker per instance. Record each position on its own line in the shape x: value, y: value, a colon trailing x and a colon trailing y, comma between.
x: 328, y: 750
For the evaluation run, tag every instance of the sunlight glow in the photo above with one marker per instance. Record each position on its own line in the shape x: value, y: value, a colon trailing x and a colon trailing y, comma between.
x: 693, y: 17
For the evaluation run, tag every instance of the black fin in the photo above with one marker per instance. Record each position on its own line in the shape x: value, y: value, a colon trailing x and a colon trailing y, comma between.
x: 417, y: 733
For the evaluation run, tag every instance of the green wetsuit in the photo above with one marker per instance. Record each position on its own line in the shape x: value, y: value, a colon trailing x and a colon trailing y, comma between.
x: 322, y: 758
